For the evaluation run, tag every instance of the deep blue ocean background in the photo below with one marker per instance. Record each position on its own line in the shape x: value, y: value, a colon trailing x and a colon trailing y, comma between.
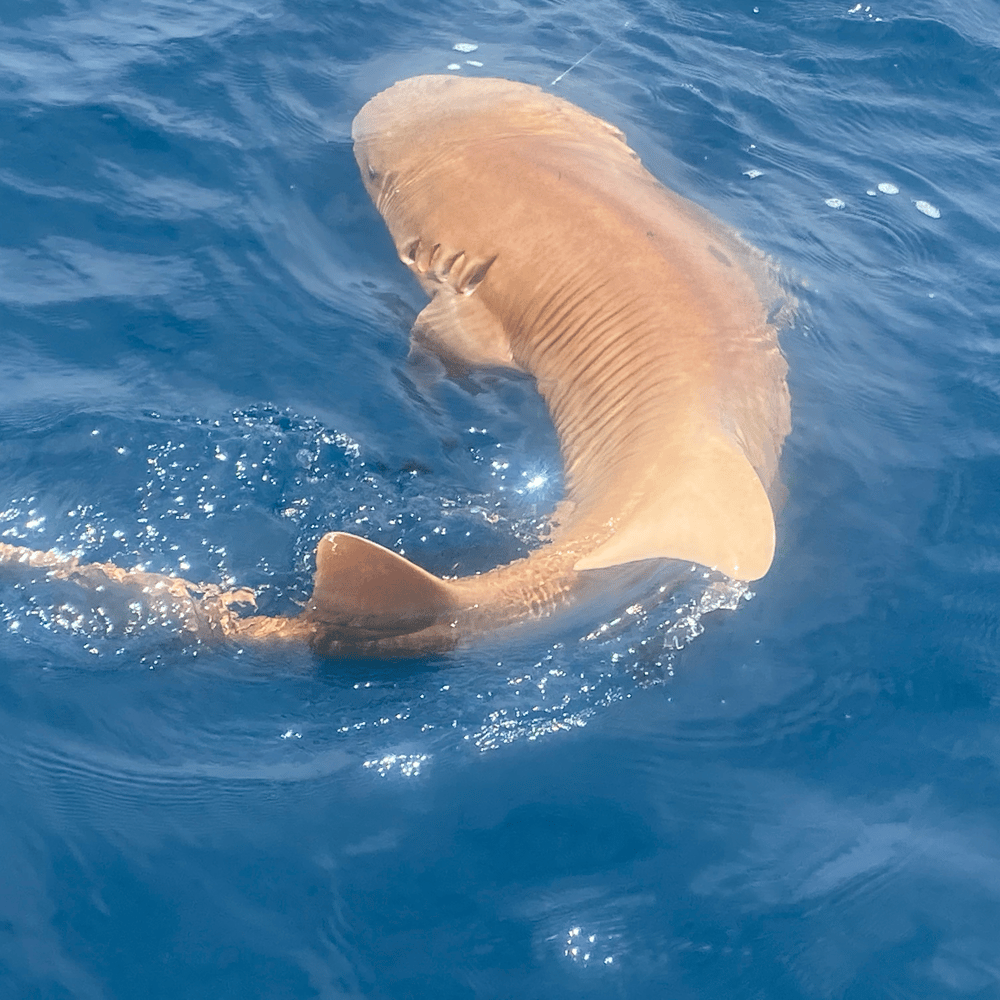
x: 203, y: 329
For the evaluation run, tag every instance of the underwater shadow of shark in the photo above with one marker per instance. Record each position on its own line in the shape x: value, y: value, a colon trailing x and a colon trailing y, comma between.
x: 546, y: 246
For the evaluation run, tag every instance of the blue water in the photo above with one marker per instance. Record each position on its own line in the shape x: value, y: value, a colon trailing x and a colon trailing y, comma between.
x: 204, y: 335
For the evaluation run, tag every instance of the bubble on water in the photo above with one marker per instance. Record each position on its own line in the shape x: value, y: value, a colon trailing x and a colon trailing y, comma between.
x: 585, y: 948
x: 834, y: 202
x: 752, y: 173
x: 454, y: 66
x: 928, y: 209
x: 465, y: 46
x: 407, y: 765
x: 886, y: 188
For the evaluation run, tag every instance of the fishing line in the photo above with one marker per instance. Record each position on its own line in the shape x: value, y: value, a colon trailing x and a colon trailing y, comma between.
x: 587, y: 55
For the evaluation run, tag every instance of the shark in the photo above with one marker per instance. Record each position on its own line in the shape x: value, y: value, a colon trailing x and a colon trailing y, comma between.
x: 649, y: 326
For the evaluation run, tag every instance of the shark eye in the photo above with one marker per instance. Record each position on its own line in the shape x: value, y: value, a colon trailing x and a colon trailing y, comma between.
x: 372, y: 172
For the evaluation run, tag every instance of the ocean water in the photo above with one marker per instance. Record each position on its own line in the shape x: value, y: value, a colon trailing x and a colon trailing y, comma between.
x: 789, y: 792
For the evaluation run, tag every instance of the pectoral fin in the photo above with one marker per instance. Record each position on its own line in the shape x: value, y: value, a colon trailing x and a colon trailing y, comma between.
x: 363, y: 591
x: 463, y: 332
x: 710, y: 509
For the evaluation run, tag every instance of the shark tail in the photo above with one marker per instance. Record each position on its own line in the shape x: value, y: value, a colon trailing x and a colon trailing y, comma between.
x: 364, y: 596
x: 202, y: 609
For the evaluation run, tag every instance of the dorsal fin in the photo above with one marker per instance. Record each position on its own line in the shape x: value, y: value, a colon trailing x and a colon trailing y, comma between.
x: 709, y: 508
x: 364, y: 591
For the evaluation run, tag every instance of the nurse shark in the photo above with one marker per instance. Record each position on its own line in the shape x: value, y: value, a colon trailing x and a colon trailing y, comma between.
x: 649, y: 327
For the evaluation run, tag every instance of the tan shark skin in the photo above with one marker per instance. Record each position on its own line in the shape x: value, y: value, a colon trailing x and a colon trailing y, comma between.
x: 546, y: 246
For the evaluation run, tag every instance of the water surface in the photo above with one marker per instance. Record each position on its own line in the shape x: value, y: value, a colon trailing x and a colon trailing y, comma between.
x: 204, y: 332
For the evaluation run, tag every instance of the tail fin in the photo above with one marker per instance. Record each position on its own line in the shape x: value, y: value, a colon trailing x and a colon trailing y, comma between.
x: 364, y: 592
x: 203, y: 609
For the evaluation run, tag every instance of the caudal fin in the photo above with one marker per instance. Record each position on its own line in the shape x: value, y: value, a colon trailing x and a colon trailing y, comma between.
x: 363, y: 592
